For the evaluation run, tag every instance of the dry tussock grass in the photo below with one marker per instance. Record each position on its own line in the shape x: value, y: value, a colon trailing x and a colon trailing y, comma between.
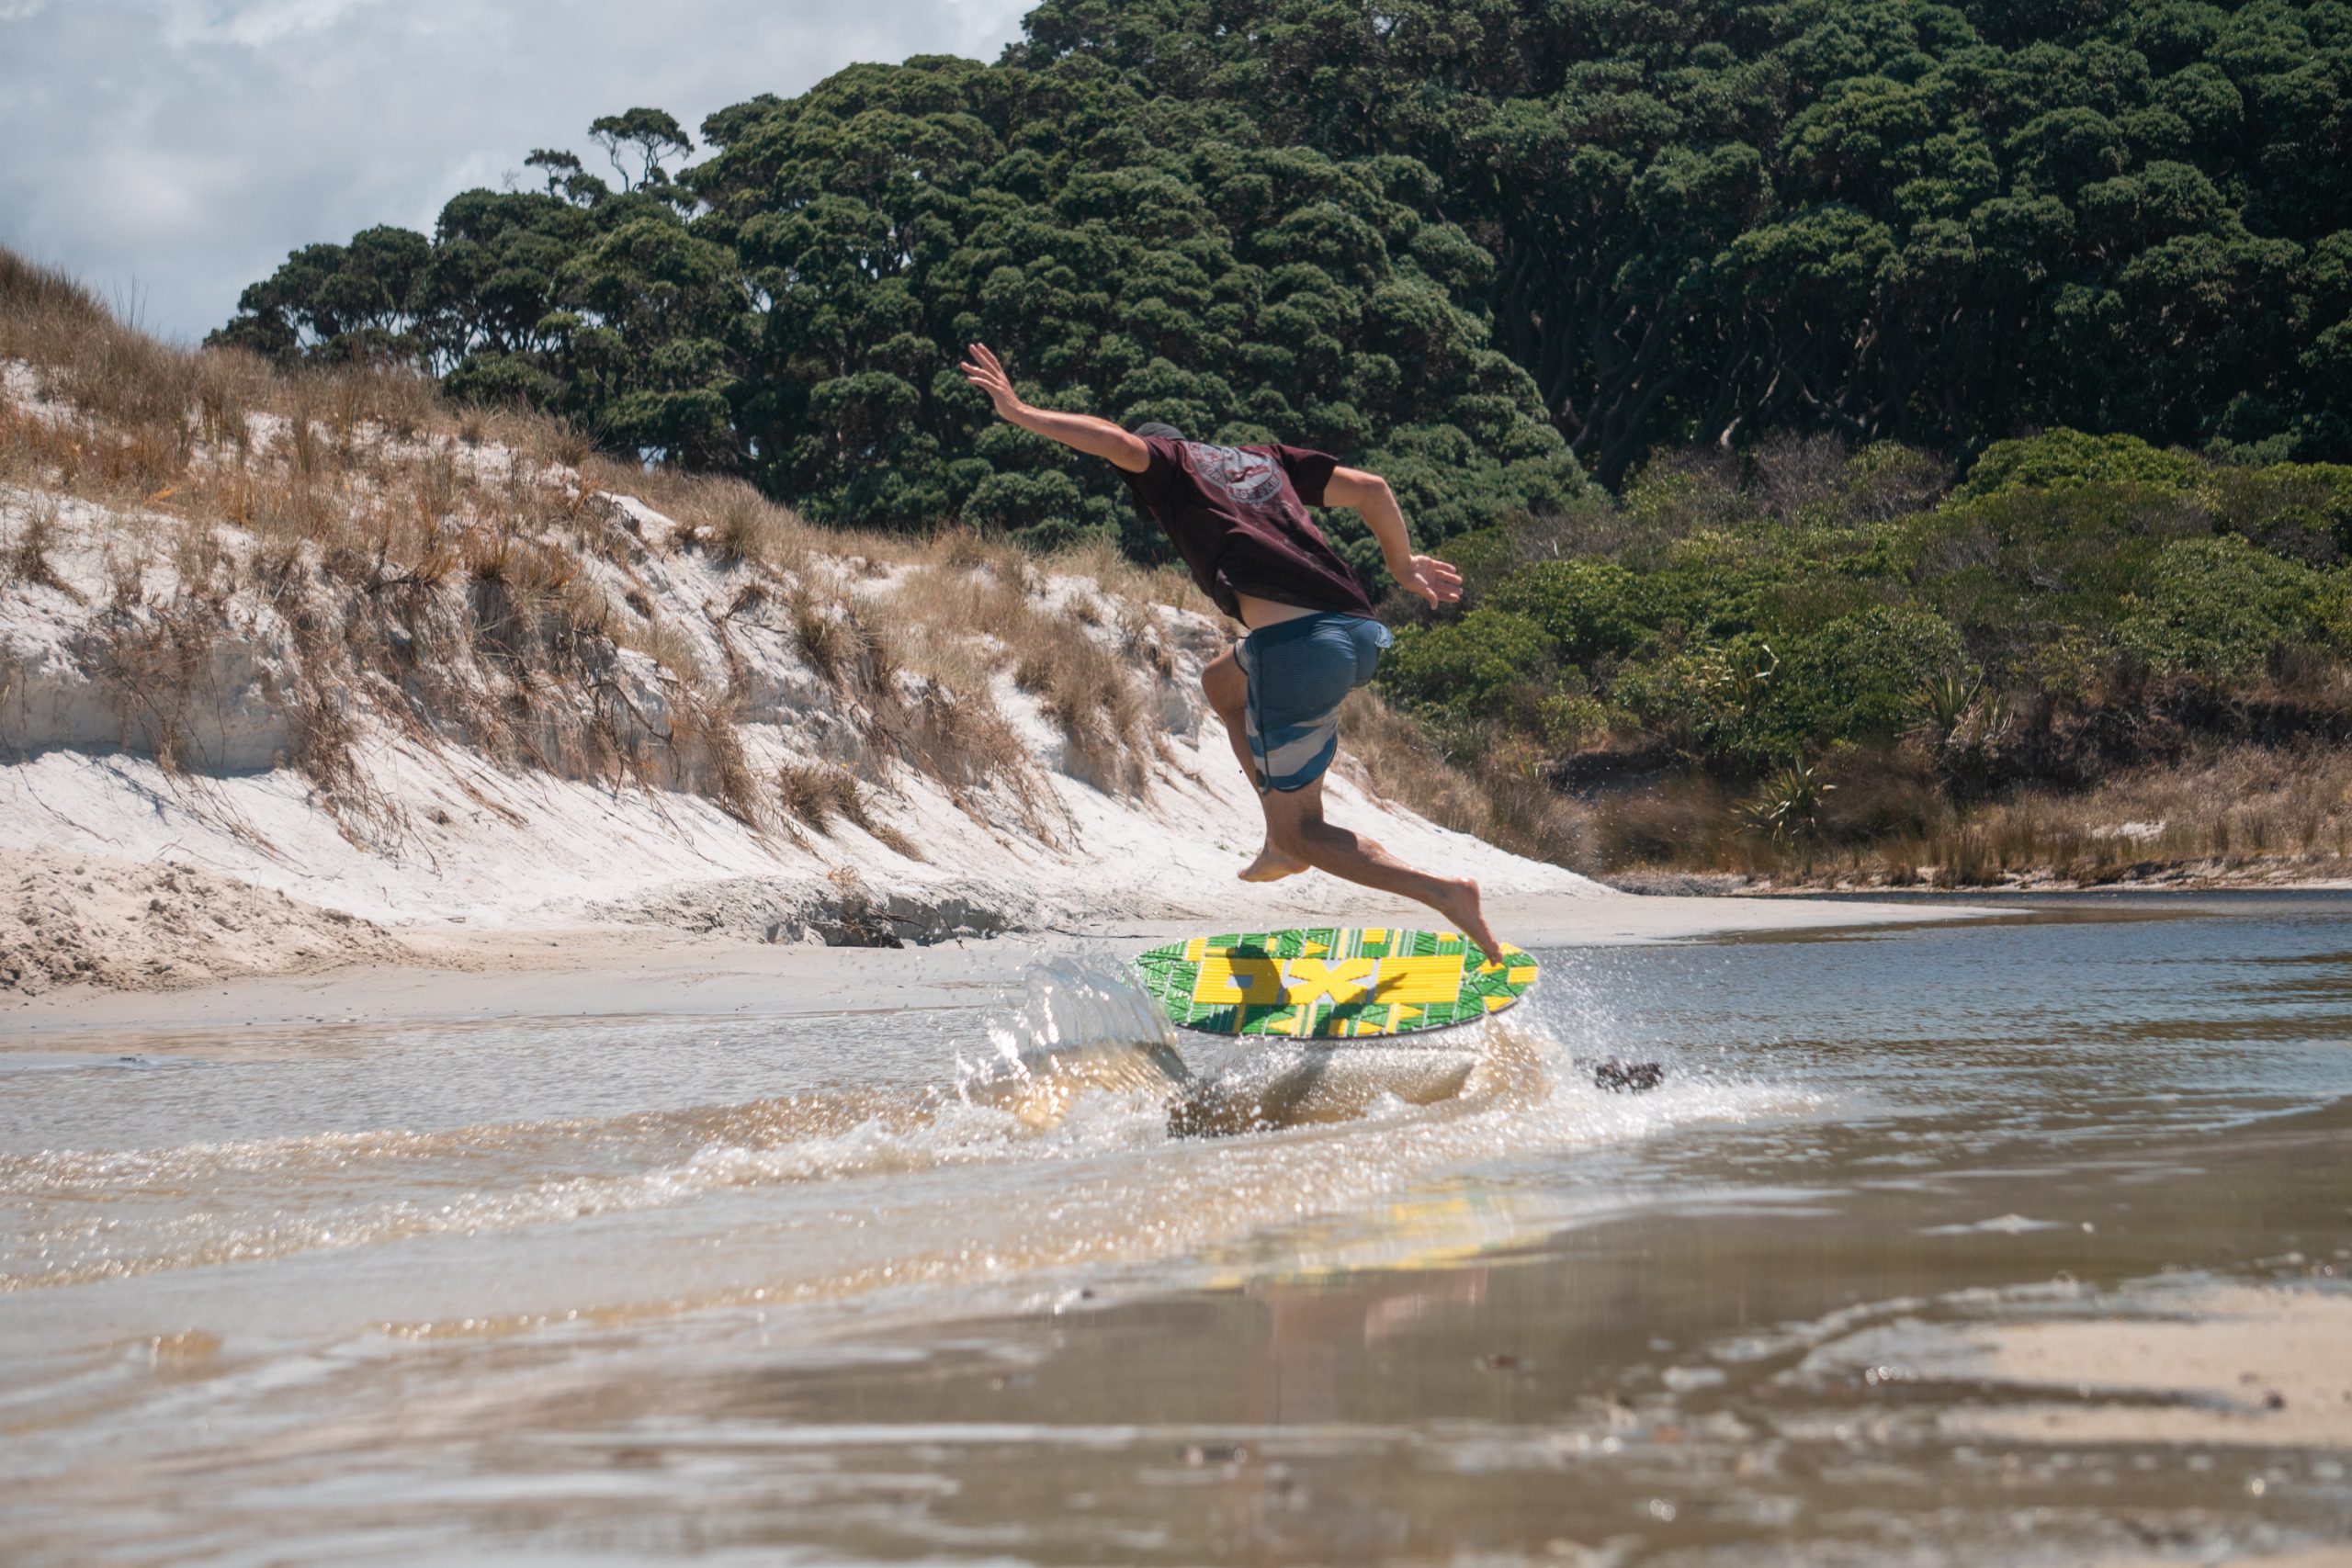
x: 1084, y: 688
x: 736, y: 525
x: 2236, y: 812
x: 1686, y: 821
x: 155, y: 655
x: 444, y: 585
x: 815, y: 794
x: 2244, y: 809
x: 25, y: 558
x: 979, y: 612
x: 1502, y: 799
x: 1123, y: 581
x: 709, y: 758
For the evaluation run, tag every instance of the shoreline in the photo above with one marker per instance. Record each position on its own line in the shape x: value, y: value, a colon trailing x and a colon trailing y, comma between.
x: 2184, y: 876
x: 474, y: 976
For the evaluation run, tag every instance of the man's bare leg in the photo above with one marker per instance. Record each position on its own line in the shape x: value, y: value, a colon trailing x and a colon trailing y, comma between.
x: 1227, y: 690
x: 1296, y: 826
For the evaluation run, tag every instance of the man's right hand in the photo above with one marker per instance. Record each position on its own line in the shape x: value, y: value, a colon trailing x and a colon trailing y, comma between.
x: 984, y: 370
x: 1082, y: 431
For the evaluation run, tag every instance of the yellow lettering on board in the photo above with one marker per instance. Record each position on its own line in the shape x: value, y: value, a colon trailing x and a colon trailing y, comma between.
x: 1222, y: 980
x: 1421, y: 981
x: 1311, y: 980
x: 1226, y: 981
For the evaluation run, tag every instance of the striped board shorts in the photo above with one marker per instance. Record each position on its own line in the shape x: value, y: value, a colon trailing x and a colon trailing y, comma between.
x: 1298, y: 670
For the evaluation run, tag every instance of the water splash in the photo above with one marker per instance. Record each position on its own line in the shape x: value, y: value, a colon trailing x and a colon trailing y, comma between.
x: 1080, y: 1028
x: 1075, y: 1027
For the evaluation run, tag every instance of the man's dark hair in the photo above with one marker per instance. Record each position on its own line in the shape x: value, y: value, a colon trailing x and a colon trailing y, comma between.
x: 1165, y: 432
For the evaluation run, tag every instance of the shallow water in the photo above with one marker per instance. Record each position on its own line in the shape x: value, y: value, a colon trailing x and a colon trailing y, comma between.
x: 1042, y: 1281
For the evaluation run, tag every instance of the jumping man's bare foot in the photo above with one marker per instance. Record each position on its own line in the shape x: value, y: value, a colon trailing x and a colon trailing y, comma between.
x: 1272, y: 865
x: 1460, y: 906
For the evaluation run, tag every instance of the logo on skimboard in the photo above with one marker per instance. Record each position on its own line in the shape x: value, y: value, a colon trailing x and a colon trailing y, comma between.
x: 1332, y: 982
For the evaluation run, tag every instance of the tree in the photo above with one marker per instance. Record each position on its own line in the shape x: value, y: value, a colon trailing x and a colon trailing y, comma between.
x: 355, y: 301
x: 650, y: 135
x: 559, y: 166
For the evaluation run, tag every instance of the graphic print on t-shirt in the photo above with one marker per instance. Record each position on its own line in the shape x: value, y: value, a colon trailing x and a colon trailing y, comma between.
x: 1250, y: 479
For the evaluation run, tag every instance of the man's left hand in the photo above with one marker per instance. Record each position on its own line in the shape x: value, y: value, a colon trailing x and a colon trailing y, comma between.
x: 1432, y: 578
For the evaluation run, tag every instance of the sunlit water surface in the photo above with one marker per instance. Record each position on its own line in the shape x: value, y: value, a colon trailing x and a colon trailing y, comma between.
x: 1045, y: 1281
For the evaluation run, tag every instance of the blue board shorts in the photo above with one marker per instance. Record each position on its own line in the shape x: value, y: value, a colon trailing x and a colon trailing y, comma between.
x: 1298, y: 670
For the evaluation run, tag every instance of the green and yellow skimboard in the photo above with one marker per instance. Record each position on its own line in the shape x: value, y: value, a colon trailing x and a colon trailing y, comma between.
x: 1332, y: 982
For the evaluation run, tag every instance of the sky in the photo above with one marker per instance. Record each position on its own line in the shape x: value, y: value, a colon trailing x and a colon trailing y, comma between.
x: 168, y: 152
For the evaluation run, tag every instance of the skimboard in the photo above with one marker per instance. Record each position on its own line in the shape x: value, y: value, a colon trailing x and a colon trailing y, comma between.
x: 1332, y: 982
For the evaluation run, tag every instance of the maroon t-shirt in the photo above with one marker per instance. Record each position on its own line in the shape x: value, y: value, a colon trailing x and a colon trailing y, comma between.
x: 1237, y: 515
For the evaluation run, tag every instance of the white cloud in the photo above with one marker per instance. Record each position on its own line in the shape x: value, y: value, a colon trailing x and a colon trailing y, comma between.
x: 257, y: 27
x: 174, y: 151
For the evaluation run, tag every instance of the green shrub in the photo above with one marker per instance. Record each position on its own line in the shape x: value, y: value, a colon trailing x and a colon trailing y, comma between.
x: 1679, y: 492
x: 1858, y: 677
x: 1589, y: 607
x: 1470, y: 668
x: 2062, y: 459
x: 2217, y: 606
x: 1997, y: 564
x: 1570, y: 719
x: 1887, y: 479
x: 2302, y: 510
x: 1750, y: 641
x: 2069, y: 665
x: 1484, y: 558
x: 1707, y: 698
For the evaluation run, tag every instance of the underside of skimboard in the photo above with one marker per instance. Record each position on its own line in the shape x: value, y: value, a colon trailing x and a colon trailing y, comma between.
x: 1332, y: 982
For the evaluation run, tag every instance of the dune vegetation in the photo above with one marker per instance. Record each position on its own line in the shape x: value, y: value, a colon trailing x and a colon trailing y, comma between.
x: 2087, y: 659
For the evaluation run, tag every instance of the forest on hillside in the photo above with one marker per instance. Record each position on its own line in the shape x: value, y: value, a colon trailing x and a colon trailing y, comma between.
x: 1487, y: 246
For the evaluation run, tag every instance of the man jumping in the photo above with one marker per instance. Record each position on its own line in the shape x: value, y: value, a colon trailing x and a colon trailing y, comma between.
x: 1237, y: 515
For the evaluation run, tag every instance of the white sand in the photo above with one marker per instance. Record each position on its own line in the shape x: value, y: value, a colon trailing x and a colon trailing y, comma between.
x: 517, y: 972
x: 2203, y: 1363
x: 2243, y: 1365
x: 83, y: 920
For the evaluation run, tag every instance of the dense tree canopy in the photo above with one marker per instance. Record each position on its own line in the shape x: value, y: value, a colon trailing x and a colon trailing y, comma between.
x: 1456, y: 241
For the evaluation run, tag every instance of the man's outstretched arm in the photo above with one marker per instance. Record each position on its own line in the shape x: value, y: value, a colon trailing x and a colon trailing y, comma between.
x: 1430, y: 578
x: 1096, y: 437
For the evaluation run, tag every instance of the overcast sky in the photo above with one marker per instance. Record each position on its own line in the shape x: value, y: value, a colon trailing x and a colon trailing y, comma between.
x: 171, y: 151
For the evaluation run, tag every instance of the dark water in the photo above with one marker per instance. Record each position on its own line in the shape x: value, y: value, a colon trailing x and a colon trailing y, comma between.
x: 942, y: 1286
